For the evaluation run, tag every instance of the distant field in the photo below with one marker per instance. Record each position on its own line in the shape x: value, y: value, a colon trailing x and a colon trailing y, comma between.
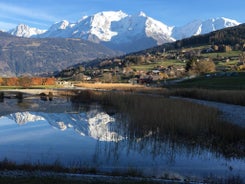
x: 9, y: 87
x: 222, y: 54
x: 236, y: 82
x: 165, y: 63
x: 230, y: 63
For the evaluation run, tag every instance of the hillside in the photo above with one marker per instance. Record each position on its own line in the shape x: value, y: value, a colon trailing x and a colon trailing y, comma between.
x: 229, y: 36
x: 24, y: 56
x: 219, y: 51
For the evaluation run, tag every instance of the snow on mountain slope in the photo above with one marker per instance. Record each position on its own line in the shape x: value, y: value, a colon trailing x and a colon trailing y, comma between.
x: 101, y: 24
x: 188, y: 30
x: 25, y: 31
x: 201, y: 27
x: 97, y: 28
x: 120, y: 27
x: 114, y: 28
x: 94, y: 123
x: 141, y: 26
x: 129, y: 28
x: 158, y: 31
x: 57, y: 30
x: 128, y: 33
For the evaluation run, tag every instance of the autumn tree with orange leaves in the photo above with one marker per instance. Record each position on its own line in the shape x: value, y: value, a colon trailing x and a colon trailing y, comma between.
x: 27, y: 81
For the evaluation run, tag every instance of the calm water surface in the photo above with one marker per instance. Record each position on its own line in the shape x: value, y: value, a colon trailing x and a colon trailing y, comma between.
x: 37, y: 131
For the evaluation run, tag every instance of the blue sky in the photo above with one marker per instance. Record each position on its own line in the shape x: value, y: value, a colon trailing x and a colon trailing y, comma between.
x: 43, y: 13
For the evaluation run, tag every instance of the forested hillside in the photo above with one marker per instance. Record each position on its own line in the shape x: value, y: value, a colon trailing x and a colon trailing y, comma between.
x: 219, y: 51
x: 21, y: 56
x: 234, y: 36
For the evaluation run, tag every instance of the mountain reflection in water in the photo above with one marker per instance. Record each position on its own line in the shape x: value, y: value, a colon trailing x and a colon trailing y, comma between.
x: 37, y: 131
x: 93, y: 123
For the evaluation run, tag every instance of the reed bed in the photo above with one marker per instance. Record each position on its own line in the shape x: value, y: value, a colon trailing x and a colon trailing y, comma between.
x: 171, y: 118
x: 110, y: 86
x: 126, y: 87
x: 236, y: 97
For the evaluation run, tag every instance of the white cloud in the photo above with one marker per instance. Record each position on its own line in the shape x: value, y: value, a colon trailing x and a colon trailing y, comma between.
x: 20, y: 14
x: 5, y: 26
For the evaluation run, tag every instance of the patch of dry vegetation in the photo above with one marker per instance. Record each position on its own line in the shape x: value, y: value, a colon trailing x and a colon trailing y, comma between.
x: 236, y: 97
x: 126, y: 87
x: 110, y: 86
x: 166, y: 118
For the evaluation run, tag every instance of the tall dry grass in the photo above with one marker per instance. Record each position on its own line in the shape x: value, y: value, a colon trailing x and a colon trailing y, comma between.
x: 172, y: 118
x: 126, y: 87
x: 236, y: 97
x: 109, y: 86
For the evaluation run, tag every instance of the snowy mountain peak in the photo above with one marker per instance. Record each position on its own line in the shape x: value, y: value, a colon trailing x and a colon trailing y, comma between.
x: 57, y: 29
x: 97, y: 27
x: 158, y: 31
x: 230, y: 22
x: 142, y: 14
x: 63, y: 24
x: 129, y: 33
x: 110, y: 15
x: 198, y: 27
x: 60, y: 25
x: 84, y: 17
x: 23, y: 30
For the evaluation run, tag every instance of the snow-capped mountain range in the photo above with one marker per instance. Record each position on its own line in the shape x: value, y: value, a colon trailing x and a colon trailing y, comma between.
x: 95, y: 124
x: 23, y: 30
x: 124, y: 32
x: 199, y: 27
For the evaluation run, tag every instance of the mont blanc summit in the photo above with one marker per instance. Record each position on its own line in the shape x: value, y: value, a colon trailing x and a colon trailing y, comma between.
x: 120, y: 31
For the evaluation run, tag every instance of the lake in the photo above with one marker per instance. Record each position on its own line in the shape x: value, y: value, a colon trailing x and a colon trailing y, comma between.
x: 90, y: 135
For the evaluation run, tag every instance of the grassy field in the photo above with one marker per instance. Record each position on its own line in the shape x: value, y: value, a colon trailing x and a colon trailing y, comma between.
x: 227, y: 89
x: 151, y: 66
x: 222, y: 54
x: 9, y: 87
x: 233, y: 82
